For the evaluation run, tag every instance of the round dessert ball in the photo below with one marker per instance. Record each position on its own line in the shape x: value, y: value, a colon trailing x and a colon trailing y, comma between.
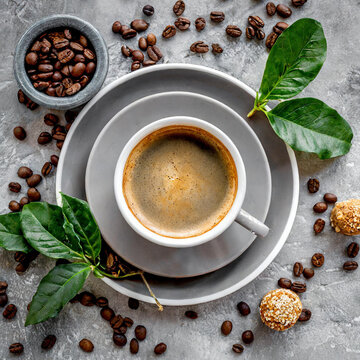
x: 345, y: 217
x: 280, y: 309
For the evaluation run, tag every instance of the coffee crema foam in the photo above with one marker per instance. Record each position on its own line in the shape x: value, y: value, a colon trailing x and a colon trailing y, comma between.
x: 180, y: 181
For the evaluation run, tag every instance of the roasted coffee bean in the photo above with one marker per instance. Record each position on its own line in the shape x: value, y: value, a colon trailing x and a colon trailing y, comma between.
x: 298, y: 3
x: 350, y: 265
x: 73, y: 89
x: 21, y: 267
x: 24, y: 172
x: 83, y: 81
x: 54, y: 160
x: 44, y: 138
x: 320, y: 207
x: 318, y: 260
x: 90, y: 68
x: 154, y: 53
x: 298, y: 287
x: 139, y: 25
x: 14, y: 187
x: 182, y: 23
x: 285, y: 283
x: 83, y: 41
x: 330, y: 198
x: 308, y: 273
x: 87, y: 299
x: 49, y: 342
x: 216, y: 49
x: 126, y: 51
x: 226, y: 327
x: 199, y: 47
x: 169, y: 32
x: 102, y: 302
x: 14, y: 206
x: 243, y: 308
x: 134, y: 346
x: 129, y: 34
x: 256, y: 22
x: 59, y: 144
x: 283, y: 10
x: 34, y: 180
x: 19, y: 256
x: 86, y: 345
x: 143, y: 43
x: 260, y: 35
x: 121, y: 330
x: 78, y: 70
x: 107, y: 313
x: 31, y: 58
x: 148, y: 63
x: 137, y: 55
x: 233, y: 31
x: 116, y: 321
x: 119, y: 339
x: 3, y: 287
x: 79, y: 58
x: 237, y: 348
x: 51, y: 119
x: 16, y: 348
x: 60, y: 43
x: 191, y: 314
x: 160, y: 348
x: 319, y: 226
x: 46, y: 169
x: 247, y: 337
x: 312, y: 184
x: 270, y: 40
x: 305, y: 315
x: 200, y: 23
x: 3, y: 299
x: 140, y: 332
x: 60, y: 91
x: 179, y: 8
x: 250, y: 32
x: 41, y: 85
x: 298, y: 269
x: 46, y: 68
x: 67, y: 34
x: 116, y: 26
x: 133, y: 303
x: 58, y: 129
x: 123, y: 29
x: 151, y: 39
x: 19, y: 133
x: 24, y: 201
x: 65, y: 56
x: 135, y: 65
x: 21, y: 97
x: 148, y: 10
x: 352, y: 250
x: 10, y: 311
x: 278, y: 29
x: 270, y: 8
x: 217, y: 16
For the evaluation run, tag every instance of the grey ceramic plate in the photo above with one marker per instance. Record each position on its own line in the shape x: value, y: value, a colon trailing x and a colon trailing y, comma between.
x: 153, y: 258
x: 230, y: 91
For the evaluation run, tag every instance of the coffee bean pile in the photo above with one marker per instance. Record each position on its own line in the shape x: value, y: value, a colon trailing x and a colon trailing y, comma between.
x: 60, y: 62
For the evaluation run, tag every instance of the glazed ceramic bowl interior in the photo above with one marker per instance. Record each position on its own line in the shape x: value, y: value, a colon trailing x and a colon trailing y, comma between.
x: 53, y: 22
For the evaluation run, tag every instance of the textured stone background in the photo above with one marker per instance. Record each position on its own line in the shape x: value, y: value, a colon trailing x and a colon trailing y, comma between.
x: 333, y: 296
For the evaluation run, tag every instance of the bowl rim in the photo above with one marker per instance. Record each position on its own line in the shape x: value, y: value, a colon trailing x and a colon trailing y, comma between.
x: 52, y: 22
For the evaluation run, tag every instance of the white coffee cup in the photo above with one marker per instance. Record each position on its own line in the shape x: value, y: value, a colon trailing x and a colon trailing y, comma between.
x: 236, y: 213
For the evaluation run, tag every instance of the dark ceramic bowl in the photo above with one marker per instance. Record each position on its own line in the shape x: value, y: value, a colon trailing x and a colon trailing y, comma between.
x: 84, y: 95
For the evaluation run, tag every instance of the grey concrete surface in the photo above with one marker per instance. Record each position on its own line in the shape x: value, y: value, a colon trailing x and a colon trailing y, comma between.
x: 332, y: 295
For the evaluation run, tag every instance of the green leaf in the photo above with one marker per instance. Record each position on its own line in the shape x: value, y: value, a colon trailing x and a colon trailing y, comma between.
x: 42, y: 226
x: 72, y: 237
x: 310, y: 125
x: 55, y: 290
x: 294, y: 61
x: 78, y: 213
x: 11, y: 236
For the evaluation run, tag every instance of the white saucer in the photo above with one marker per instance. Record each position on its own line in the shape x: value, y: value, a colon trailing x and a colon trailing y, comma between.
x: 156, y: 259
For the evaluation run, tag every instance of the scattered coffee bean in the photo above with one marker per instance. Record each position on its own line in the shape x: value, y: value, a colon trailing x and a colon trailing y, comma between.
x: 283, y: 10
x: 140, y: 332
x: 51, y: 119
x: 179, y: 8
x: 71, y: 115
x: 233, y: 31
x: 312, y: 184
x: 305, y: 315
x: 19, y: 133
x: 182, y: 23
x: 19, y: 256
x: 160, y: 348
x: 133, y: 303
x: 116, y: 321
x: 128, y: 322
x: 123, y: 29
x: 44, y: 138
x: 260, y: 35
x: 87, y: 299
x: 319, y: 226
x: 330, y: 198
x: 298, y: 287
x: 298, y: 269
x: 119, y: 339
x: 59, y: 144
x: 14, y: 187
x: 256, y: 22
x: 243, y: 308
x: 134, y: 346
x: 350, y: 265
x: 129, y: 33
x: 10, y: 311
x: 216, y: 49
x: 151, y: 39
x: 49, y: 342
x: 169, y: 32
x: 126, y: 51
x: 107, y: 313
x: 116, y: 27
x: 3, y: 287
x: 148, y: 10
x: 102, y: 302
x: 217, y: 16
x: 353, y: 250
x: 143, y: 43
x: 308, y: 273
x: 250, y: 32
x: 46, y: 169
x: 135, y: 65
x: 199, y: 47
x: 318, y: 260
x: 86, y: 345
x: 14, y: 206
x: 247, y: 337
x: 21, y: 267
x: 285, y: 283
x: 154, y: 53
x: 298, y: 3
x: 24, y: 172
x: 23, y: 99
x: 121, y: 330
x: 270, y: 8
x: 34, y: 180
x: 320, y: 207
x: 139, y: 25
x: 278, y: 29
x: 200, y: 24
x: 24, y: 201
x: 271, y: 40
x: 148, y: 63
x: 137, y: 55
x: 226, y: 327
x: 191, y: 314
x: 16, y: 348
x: 3, y: 299
x: 237, y: 348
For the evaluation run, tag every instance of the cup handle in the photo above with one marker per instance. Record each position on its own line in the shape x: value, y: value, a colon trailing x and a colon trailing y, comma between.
x: 251, y: 223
